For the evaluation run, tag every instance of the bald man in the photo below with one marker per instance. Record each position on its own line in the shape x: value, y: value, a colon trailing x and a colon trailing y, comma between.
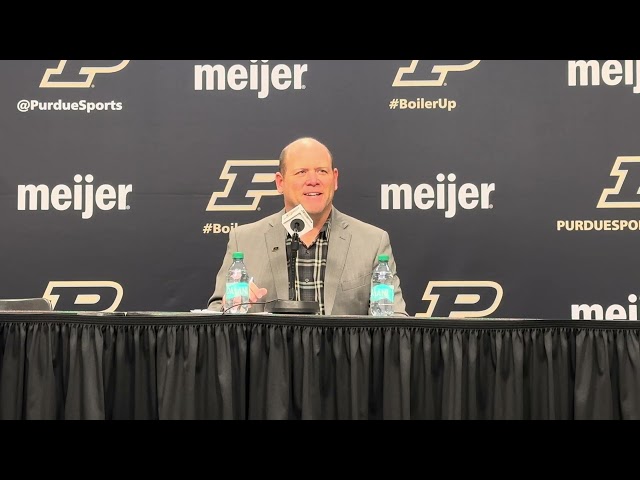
x: 335, y: 258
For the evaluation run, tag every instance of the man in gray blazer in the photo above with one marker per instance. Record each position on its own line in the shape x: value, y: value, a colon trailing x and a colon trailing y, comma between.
x: 335, y: 258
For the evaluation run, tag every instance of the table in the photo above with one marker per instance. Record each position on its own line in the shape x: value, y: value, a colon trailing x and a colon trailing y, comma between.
x: 178, y: 365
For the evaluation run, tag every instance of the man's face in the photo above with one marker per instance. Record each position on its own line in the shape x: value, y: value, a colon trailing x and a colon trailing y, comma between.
x: 308, y: 179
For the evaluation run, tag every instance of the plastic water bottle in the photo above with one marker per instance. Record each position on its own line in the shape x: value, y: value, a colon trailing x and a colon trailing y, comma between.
x: 382, y: 291
x: 237, y: 287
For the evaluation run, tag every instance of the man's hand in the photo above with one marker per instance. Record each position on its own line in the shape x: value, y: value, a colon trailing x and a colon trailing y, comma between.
x: 255, y: 292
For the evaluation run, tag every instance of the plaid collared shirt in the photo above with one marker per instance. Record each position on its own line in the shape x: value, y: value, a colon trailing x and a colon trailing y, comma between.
x: 310, y: 266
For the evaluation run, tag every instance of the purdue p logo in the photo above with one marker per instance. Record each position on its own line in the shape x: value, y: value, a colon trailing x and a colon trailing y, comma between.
x: 242, y: 177
x: 461, y: 299
x: 97, y: 296
x: 617, y: 197
x: 440, y: 70
x: 90, y: 72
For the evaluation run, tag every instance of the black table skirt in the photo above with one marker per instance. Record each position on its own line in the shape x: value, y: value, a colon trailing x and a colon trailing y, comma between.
x: 188, y: 366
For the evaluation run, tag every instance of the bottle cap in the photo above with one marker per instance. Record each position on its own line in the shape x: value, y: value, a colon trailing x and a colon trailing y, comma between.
x: 383, y: 258
x: 238, y: 256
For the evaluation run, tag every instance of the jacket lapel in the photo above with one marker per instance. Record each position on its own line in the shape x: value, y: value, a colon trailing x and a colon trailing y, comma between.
x: 339, y: 240
x: 276, y: 250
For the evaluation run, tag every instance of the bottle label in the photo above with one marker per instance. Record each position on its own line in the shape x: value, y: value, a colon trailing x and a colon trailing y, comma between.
x: 239, y: 289
x: 380, y: 292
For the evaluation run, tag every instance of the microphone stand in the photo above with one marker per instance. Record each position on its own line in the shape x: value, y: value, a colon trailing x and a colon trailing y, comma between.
x: 295, y: 245
x: 293, y: 306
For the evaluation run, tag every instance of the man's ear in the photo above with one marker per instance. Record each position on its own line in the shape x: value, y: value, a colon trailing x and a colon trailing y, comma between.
x: 335, y: 174
x: 279, y: 181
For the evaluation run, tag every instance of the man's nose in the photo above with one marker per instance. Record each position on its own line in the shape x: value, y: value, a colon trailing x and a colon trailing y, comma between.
x: 312, y: 178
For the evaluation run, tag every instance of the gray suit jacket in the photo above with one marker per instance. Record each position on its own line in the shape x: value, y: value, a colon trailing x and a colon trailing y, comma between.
x: 354, y: 247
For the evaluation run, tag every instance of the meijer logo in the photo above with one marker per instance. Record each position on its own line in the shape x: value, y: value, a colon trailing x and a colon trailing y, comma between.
x: 81, y: 196
x: 612, y: 312
x: 95, y: 296
x: 611, y: 72
x: 445, y: 196
x: 258, y: 77
x: 251, y: 172
x: 89, y: 71
x: 439, y: 69
x: 481, y: 298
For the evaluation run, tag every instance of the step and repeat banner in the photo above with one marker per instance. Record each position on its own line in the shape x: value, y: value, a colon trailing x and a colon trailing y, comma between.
x: 510, y: 189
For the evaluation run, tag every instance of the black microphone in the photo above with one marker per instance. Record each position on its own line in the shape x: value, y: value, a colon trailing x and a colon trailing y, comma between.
x: 297, y: 222
x: 297, y: 225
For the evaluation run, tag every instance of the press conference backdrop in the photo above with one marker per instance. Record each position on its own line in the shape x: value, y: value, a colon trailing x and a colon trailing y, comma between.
x: 509, y: 188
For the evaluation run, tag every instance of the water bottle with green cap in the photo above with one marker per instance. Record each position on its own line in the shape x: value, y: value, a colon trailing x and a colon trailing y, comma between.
x: 236, y: 297
x: 382, y: 290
